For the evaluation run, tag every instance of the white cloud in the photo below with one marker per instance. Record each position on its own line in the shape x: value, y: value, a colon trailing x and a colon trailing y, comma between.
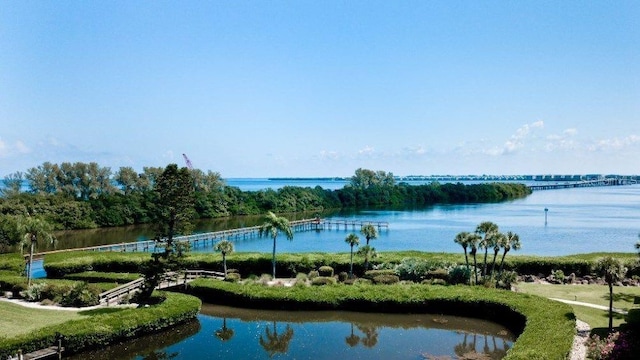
x: 366, y: 151
x: 562, y: 141
x: 414, y: 150
x: 614, y: 143
x: 18, y: 147
x: 516, y: 141
x: 329, y: 155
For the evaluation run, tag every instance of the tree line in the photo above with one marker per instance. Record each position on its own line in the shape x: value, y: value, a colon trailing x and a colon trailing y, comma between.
x: 80, y: 195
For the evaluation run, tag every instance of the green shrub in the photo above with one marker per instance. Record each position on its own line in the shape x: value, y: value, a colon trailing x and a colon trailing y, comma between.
x: 55, y: 292
x: 34, y: 293
x: 459, y: 275
x: 232, y: 277
x: 326, y: 271
x: 342, y: 276
x: 323, y: 280
x: 558, y: 275
x: 438, y: 282
x: 370, y: 274
x: 438, y: 274
x: 385, y: 279
x: 13, y: 262
x: 506, y: 279
x: 81, y: 295
x: 313, y: 274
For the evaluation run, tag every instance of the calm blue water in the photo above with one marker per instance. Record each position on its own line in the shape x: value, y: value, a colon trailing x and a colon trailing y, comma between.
x: 318, y: 335
x: 579, y: 220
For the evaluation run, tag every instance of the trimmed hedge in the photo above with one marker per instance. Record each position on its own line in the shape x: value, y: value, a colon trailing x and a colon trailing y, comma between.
x: 107, y: 327
x: 546, y: 327
x: 288, y: 265
x: 103, y: 277
x: 60, y: 264
x: 12, y: 262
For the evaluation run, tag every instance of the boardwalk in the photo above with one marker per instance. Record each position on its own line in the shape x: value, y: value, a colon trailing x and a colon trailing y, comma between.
x: 206, y: 240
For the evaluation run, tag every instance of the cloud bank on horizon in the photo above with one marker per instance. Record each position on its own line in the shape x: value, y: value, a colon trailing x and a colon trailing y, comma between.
x: 277, y: 89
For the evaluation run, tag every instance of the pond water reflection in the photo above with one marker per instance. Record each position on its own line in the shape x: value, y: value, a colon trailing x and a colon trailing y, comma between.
x: 232, y: 333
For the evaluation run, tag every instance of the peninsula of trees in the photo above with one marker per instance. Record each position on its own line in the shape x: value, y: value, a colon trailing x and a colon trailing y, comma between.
x: 86, y: 195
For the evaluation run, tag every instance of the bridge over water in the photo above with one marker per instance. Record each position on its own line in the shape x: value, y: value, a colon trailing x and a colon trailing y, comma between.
x: 608, y: 181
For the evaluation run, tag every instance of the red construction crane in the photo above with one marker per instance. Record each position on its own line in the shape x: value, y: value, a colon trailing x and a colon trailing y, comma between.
x: 186, y: 159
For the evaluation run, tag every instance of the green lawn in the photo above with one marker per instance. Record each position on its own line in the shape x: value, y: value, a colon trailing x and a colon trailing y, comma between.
x: 623, y: 298
x: 594, y: 294
x: 16, y: 320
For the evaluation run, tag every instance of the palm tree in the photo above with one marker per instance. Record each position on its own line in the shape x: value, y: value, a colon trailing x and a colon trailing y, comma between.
x: 353, y: 240
x: 368, y: 252
x: 34, y: 230
x: 462, y: 239
x: 474, y: 240
x: 487, y: 230
x: 225, y: 247
x: 369, y: 232
x: 275, y: 343
x: 272, y: 225
x: 498, y: 243
x: 512, y: 241
x: 613, y: 271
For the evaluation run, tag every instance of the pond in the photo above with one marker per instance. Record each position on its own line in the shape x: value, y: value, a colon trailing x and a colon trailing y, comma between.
x: 231, y: 333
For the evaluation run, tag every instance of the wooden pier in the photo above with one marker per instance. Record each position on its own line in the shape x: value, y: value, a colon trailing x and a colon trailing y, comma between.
x: 207, y: 240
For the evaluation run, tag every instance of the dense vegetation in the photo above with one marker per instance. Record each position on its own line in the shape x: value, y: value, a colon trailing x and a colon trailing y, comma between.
x: 80, y: 195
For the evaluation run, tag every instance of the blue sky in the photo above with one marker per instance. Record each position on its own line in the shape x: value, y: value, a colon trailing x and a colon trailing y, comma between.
x: 321, y: 88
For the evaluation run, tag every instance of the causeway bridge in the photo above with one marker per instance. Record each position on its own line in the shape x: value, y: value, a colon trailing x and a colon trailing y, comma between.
x: 206, y: 240
x: 605, y: 181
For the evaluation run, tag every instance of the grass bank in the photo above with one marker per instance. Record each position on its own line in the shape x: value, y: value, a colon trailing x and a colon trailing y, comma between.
x: 100, y: 327
x: 546, y: 328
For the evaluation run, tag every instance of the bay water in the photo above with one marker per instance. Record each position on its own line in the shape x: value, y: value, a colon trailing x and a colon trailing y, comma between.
x: 578, y: 220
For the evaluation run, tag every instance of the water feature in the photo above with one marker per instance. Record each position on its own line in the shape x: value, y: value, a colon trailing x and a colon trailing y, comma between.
x: 579, y: 220
x: 231, y: 333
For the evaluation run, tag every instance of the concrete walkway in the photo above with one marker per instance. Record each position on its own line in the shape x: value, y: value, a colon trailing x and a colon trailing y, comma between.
x: 594, y: 306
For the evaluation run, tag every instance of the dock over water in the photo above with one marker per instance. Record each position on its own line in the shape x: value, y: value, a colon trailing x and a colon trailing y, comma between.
x: 205, y: 240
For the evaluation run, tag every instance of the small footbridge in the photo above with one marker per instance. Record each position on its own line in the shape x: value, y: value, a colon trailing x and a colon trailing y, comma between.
x: 169, y: 280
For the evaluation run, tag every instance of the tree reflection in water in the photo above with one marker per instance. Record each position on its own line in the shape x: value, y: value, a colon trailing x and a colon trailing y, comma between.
x: 353, y: 339
x: 275, y: 343
x: 225, y: 333
x: 466, y: 350
x: 159, y: 355
x: 370, y: 332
